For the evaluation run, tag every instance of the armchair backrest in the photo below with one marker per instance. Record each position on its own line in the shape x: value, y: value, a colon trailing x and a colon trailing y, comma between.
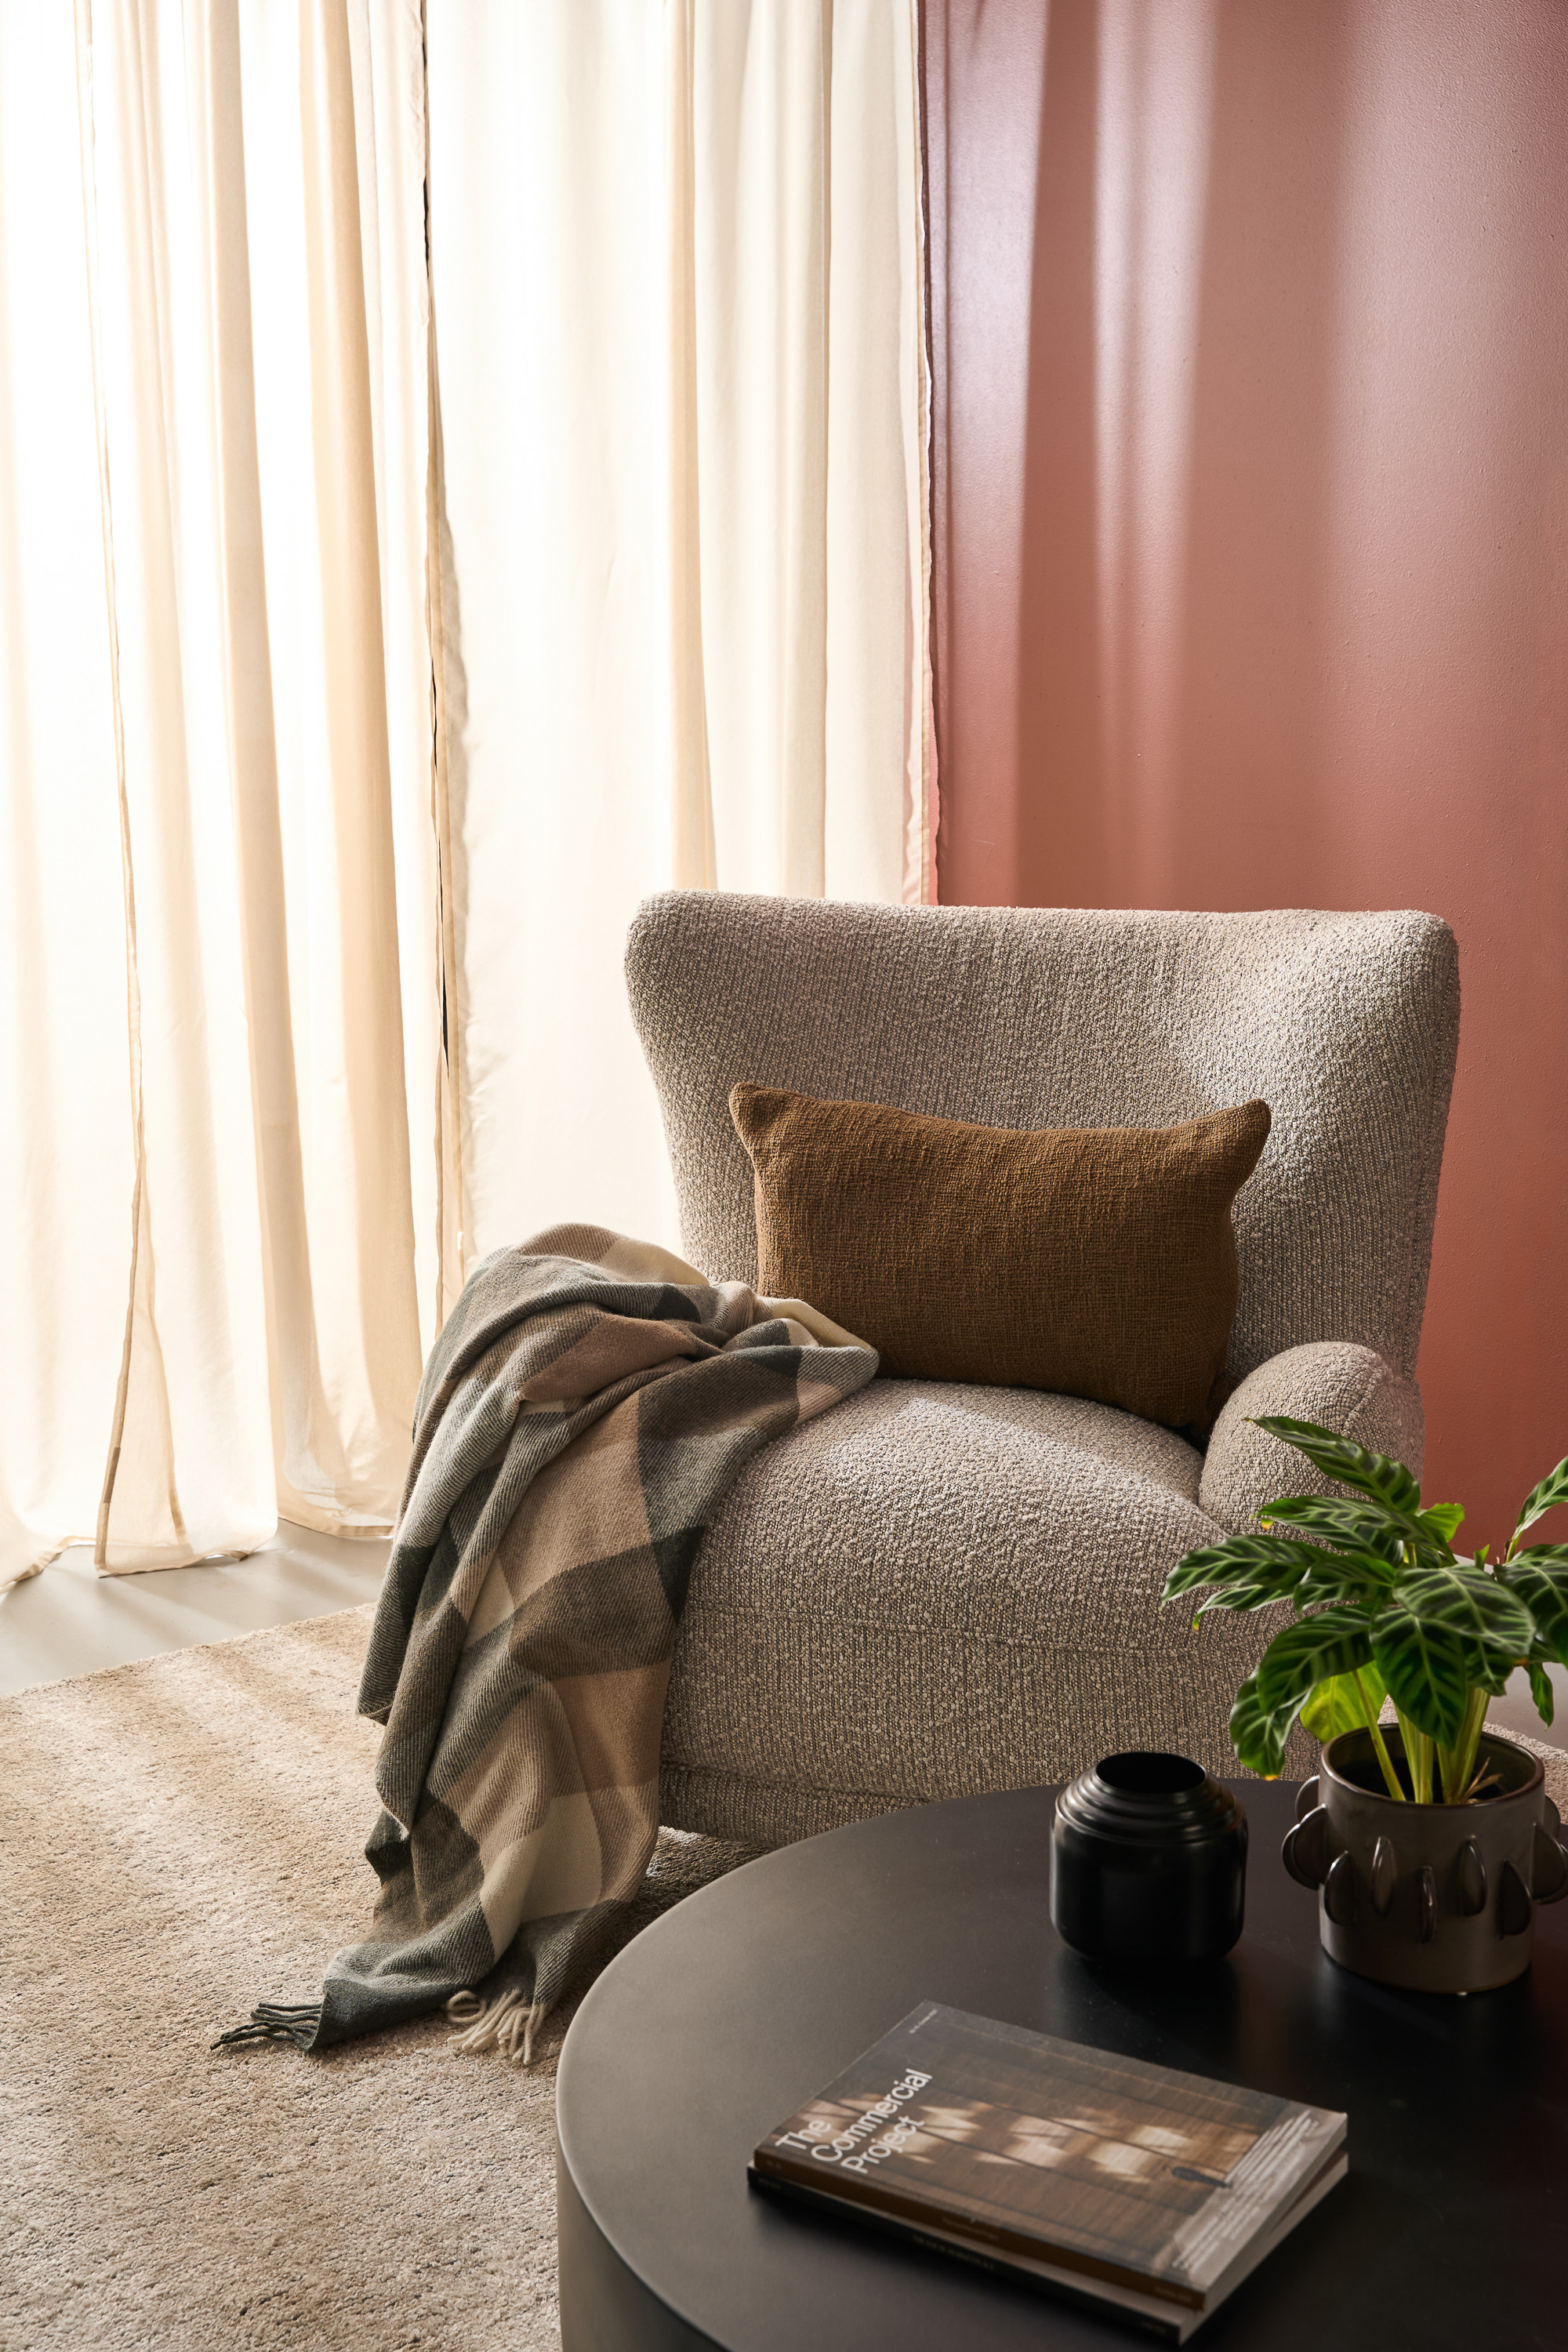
x: 1347, y: 1026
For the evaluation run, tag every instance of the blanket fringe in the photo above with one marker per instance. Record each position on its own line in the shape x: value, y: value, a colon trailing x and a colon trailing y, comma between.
x: 276, y: 2023
x: 506, y: 2023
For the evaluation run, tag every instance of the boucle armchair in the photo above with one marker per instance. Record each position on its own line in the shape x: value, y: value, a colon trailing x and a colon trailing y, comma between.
x: 939, y: 1587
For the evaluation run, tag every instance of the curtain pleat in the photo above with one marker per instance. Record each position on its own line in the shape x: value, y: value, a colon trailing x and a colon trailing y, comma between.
x: 678, y: 276
x: 248, y: 227
x: 197, y: 1302
x: 67, y: 1160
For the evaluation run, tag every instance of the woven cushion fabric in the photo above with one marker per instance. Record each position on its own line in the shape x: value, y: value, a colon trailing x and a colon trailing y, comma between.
x: 1345, y: 1025
x: 1096, y: 1262
x: 938, y: 1589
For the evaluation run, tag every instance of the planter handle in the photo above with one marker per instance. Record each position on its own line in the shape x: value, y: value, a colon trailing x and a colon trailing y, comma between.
x: 1548, y: 1867
x: 1306, y: 1852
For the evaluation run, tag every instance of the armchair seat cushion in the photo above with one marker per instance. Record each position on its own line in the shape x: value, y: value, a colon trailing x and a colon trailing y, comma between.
x: 937, y: 1588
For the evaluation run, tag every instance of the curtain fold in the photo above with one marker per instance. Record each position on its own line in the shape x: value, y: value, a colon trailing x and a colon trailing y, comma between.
x: 245, y: 240
x: 677, y: 278
x: 66, y: 1160
x: 349, y: 701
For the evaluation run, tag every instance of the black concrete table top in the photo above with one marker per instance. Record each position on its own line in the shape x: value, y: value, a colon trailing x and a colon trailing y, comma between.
x: 730, y: 2011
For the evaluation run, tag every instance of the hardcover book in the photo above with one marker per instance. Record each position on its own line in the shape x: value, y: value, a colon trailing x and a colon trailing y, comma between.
x: 1104, y: 2179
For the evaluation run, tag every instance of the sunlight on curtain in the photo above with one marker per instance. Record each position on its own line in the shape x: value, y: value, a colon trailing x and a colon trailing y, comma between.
x: 678, y: 274
x: 320, y: 854
x: 223, y: 1041
x: 65, y: 1163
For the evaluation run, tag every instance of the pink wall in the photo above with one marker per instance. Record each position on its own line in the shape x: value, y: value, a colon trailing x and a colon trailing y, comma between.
x: 1250, y: 329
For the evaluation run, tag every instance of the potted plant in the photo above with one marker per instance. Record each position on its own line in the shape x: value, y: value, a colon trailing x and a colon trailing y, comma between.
x: 1431, y: 1839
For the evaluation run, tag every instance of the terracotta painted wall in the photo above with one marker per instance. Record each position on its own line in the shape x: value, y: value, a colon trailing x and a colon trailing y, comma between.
x: 1250, y: 324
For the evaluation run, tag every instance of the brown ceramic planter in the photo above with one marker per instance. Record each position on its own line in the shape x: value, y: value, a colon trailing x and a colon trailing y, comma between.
x: 1438, y: 1898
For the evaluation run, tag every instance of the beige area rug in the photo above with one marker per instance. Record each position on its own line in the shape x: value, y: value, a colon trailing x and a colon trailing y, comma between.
x: 178, y: 1838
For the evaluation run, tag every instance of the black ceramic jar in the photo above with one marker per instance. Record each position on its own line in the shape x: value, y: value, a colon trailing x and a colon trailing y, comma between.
x: 1148, y: 1863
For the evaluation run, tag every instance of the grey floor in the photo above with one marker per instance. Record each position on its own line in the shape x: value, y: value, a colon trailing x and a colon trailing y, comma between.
x: 70, y: 1620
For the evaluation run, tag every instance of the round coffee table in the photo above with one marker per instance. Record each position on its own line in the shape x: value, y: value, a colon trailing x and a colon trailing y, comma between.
x: 730, y: 2011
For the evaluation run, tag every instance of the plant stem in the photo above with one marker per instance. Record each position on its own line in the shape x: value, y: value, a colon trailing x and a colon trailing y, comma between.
x: 1380, y: 1745
x: 1418, y: 1757
x: 1463, y: 1760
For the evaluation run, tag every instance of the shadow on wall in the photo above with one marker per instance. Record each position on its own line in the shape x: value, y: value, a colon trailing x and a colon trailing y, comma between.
x: 1178, y: 458
x: 1250, y: 358
x: 1061, y: 811
x: 1249, y: 721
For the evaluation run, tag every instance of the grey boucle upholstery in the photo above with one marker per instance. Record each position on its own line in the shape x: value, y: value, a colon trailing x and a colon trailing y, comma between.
x: 1347, y: 1388
x: 981, y: 1617
x: 939, y: 1587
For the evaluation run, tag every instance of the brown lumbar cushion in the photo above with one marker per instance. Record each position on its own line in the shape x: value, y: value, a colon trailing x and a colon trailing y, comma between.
x: 1098, y: 1262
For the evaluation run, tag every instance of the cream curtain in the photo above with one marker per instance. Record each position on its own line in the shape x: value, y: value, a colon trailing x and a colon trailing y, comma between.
x: 222, y: 1025
x: 349, y: 702
x: 678, y: 280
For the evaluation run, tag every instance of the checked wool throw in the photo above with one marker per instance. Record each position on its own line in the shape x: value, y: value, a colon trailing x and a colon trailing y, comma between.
x: 587, y: 1407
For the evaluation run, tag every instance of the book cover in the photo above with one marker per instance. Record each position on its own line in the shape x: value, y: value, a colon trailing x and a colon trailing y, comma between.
x: 1139, y: 2184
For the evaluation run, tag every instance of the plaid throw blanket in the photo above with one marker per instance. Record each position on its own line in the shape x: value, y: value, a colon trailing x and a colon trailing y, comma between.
x: 587, y: 1406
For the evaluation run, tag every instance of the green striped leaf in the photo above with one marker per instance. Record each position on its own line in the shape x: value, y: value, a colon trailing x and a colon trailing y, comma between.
x: 1335, y: 1705
x: 1260, y: 1593
x: 1423, y: 1666
x: 1246, y: 1558
x: 1491, y: 1622
x: 1444, y: 1521
x: 1315, y: 1648
x: 1553, y: 1488
x: 1355, y: 1527
x: 1349, y: 1464
x: 1539, y: 1577
x: 1541, y: 1690
x: 1337, y: 1577
x: 1258, y: 1732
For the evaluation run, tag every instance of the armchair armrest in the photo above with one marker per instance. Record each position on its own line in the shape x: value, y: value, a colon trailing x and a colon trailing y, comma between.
x: 1344, y: 1387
